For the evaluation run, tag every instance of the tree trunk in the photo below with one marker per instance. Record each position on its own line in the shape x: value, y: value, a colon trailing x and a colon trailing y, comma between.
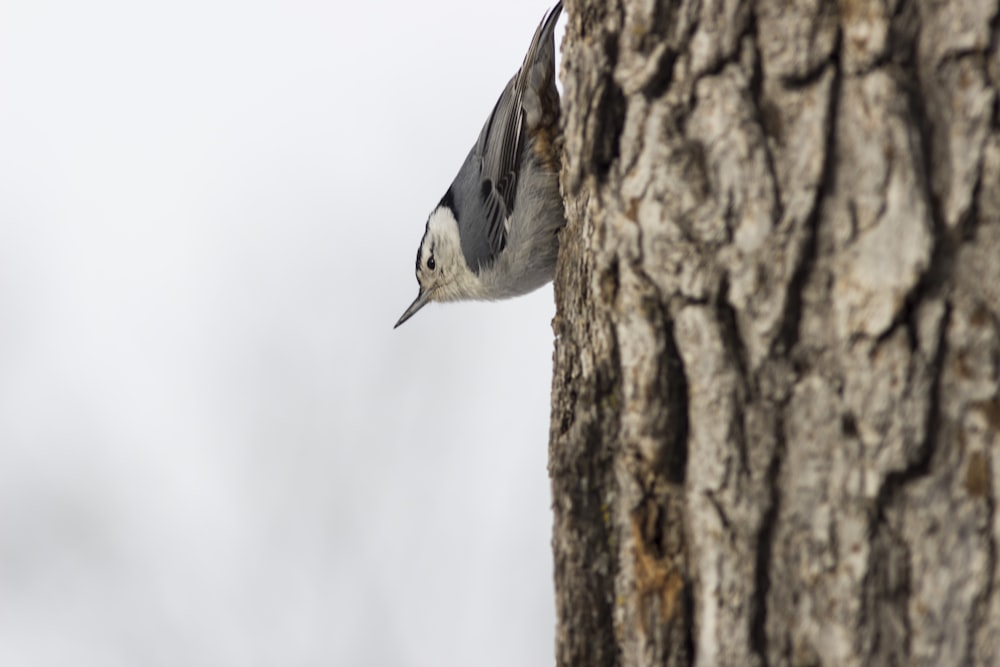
x: 776, y: 395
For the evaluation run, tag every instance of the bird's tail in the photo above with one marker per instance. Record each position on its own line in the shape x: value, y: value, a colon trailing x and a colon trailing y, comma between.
x: 535, y: 81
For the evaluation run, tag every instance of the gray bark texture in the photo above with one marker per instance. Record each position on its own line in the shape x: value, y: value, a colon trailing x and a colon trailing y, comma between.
x: 776, y: 395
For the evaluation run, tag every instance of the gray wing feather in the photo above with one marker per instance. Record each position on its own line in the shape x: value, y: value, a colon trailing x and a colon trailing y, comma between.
x: 498, y: 152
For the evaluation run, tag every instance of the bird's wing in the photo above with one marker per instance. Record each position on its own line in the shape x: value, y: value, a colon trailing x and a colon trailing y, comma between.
x: 503, y: 137
x: 499, y: 151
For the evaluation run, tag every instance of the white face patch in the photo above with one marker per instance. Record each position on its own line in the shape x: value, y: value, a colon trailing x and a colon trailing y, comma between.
x: 443, y: 225
x: 450, y: 279
x: 441, y: 241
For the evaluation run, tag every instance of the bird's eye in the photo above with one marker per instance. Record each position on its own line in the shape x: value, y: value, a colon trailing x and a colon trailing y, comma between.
x: 430, y: 263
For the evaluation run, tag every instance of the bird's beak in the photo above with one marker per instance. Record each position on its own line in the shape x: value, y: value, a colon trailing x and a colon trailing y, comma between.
x: 423, y: 298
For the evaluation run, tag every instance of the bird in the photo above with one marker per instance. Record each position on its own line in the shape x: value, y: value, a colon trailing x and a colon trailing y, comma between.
x: 495, y: 232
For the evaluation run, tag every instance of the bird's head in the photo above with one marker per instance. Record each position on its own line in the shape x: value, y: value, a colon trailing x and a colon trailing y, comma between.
x: 442, y: 272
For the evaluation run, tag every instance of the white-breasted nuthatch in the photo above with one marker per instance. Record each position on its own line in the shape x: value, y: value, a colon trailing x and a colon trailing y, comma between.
x: 495, y: 232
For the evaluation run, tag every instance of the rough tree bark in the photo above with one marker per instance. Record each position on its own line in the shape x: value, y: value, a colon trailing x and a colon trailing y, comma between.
x: 776, y: 399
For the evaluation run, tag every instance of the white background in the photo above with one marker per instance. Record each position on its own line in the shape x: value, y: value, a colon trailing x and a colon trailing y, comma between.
x: 214, y: 449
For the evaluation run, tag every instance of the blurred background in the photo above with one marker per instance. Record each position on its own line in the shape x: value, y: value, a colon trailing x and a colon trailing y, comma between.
x: 214, y: 449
